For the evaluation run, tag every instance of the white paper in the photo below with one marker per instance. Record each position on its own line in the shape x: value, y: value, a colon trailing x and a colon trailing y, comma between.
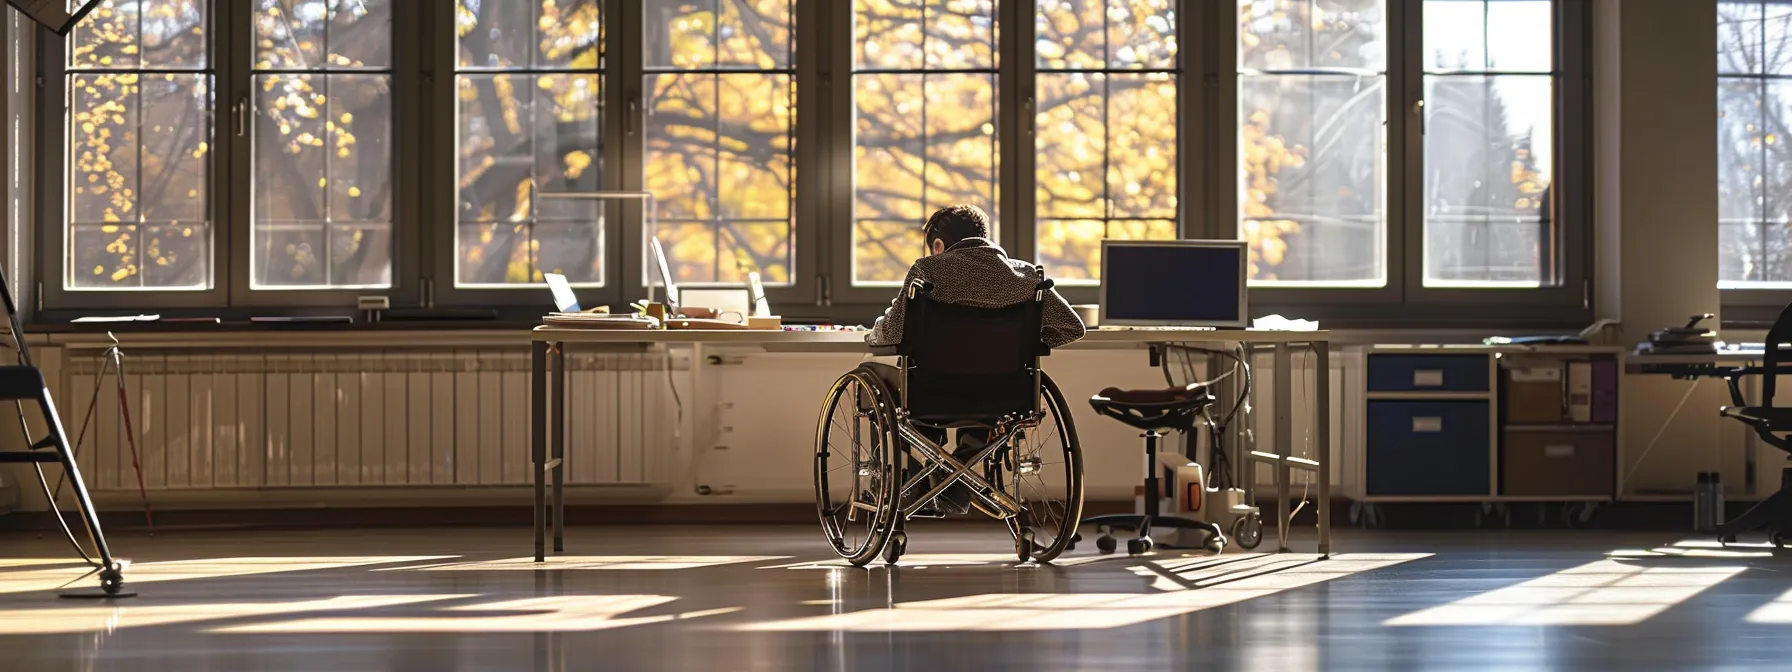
x: 120, y: 318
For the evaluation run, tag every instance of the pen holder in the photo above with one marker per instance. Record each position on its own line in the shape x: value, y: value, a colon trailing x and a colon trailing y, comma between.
x: 657, y: 311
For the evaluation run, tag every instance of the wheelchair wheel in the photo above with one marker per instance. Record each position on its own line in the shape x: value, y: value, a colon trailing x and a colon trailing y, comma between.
x: 855, y: 476
x: 1044, y: 471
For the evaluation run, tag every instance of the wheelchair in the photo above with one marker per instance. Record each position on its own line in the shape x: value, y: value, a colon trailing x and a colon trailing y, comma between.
x: 881, y: 454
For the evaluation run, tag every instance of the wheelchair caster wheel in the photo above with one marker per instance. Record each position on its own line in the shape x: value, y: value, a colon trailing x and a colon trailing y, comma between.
x: 1780, y: 538
x: 1073, y: 539
x: 1106, y: 544
x: 1248, y: 531
x: 895, y: 547
x: 1023, y: 545
x: 1727, y: 539
x: 1138, y: 546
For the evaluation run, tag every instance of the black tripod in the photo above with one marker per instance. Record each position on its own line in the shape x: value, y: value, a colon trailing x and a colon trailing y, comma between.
x: 23, y: 382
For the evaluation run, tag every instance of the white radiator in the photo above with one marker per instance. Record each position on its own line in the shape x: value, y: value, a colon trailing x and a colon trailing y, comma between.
x: 361, y: 418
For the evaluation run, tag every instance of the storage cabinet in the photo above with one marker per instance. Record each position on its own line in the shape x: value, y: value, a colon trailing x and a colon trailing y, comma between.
x: 1490, y: 423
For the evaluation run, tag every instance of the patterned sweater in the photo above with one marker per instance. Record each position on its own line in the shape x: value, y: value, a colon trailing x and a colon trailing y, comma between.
x: 975, y: 272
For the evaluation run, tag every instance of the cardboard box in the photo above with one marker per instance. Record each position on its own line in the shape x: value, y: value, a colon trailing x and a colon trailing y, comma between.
x: 1534, y: 395
x: 1565, y: 463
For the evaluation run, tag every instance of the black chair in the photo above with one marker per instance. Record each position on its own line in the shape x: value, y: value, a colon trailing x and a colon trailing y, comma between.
x: 1773, y: 424
x: 1155, y: 411
x: 964, y: 368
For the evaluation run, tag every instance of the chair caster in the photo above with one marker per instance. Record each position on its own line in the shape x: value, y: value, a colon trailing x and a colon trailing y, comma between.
x: 1216, y: 545
x: 1138, y: 546
x: 1248, y: 531
x: 1106, y: 544
x: 1779, y: 538
x: 1023, y: 545
x: 1073, y: 539
x: 111, y: 580
x: 895, y: 547
x: 1727, y: 539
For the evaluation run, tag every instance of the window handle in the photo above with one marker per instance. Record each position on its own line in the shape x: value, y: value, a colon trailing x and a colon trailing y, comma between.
x: 628, y: 116
x: 1418, y: 110
x: 242, y: 117
x: 1032, y: 121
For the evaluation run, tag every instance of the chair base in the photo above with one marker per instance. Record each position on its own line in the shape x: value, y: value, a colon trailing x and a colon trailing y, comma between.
x: 1215, y: 539
x: 1773, y: 513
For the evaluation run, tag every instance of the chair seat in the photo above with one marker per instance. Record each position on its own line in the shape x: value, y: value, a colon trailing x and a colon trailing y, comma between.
x: 1154, y: 409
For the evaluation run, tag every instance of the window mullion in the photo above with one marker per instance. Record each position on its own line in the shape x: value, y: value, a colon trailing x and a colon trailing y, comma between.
x: 1016, y: 132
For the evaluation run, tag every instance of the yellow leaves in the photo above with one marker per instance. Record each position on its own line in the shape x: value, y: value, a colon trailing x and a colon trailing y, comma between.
x: 576, y: 163
x: 99, y: 270
x: 109, y: 228
x: 354, y: 192
x: 323, y: 182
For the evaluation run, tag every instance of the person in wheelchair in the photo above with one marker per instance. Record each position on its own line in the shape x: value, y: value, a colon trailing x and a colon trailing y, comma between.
x: 963, y: 266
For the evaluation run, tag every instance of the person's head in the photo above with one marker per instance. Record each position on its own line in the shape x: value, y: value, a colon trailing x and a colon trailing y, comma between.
x: 954, y: 223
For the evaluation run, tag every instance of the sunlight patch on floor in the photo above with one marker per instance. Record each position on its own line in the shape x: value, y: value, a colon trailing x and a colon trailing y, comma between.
x: 587, y: 562
x: 133, y: 614
x: 564, y: 613
x: 1078, y: 611
x: 1605, y: 592
x: 33, y: 580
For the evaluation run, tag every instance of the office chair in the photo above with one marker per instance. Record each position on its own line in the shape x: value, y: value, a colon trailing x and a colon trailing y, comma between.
x: 1773, y: 424
x: 1155, y: 411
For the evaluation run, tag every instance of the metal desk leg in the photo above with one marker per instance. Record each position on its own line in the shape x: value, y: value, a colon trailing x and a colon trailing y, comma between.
x: 1284, y: 442
x: 538, y: 440
x: 558, y: 437
x: 1322, y: 438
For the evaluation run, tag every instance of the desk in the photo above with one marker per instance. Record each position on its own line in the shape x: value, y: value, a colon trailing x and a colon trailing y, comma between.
x: 548, y: 372
x: 1694, y: 367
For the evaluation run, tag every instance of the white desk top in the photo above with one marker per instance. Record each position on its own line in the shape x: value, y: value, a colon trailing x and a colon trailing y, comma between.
x: 844, y: 340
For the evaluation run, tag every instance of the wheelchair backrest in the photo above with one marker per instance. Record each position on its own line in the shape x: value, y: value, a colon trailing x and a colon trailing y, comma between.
x: 970, y: 361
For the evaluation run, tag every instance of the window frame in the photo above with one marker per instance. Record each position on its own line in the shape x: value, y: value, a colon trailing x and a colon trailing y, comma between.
x: 425, y: 146
x: 1748, y: 306
x: 1566, y: 304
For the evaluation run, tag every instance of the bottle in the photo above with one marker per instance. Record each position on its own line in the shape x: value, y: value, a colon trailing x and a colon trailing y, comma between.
x: 1701, y: 503
x: 1717, y: 500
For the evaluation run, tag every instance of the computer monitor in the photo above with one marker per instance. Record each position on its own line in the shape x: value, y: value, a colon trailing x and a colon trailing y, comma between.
x: 1174, y: 283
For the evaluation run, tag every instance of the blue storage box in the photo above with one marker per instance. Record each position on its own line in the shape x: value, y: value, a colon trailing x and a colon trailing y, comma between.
x: 1429, y: 373
x: 1428, y: 448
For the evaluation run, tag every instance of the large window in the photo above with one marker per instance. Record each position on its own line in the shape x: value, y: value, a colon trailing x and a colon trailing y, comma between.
x: 1754, y: 176
x: 1312, y: 166
x: 322, y: 198
x: 1106, y: 129
x: 924, y: 127
x: 1375, y: 154
x: 1489, y: 143
x: 139, y: 84
x: 720, y: 155
x: 530, y: 91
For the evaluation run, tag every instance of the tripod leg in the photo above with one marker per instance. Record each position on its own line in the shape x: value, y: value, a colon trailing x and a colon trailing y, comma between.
x: 124, y: 408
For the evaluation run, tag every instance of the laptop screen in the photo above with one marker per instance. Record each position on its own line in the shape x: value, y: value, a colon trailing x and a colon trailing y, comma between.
x: 1173, y: 283
x: 564, y: 300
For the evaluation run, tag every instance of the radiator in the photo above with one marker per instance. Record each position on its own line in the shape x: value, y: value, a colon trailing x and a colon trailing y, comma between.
x: 360, y: 418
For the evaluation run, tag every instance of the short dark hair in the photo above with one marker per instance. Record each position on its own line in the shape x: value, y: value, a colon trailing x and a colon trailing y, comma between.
x: 954, y: 223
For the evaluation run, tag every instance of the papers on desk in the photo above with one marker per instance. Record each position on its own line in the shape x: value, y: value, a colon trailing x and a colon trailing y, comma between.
x: 599, y: 321
x: 117, y: 318
x: 1279, y: 323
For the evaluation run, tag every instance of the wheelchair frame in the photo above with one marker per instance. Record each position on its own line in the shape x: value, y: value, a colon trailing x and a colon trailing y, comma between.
x: 998, y: 457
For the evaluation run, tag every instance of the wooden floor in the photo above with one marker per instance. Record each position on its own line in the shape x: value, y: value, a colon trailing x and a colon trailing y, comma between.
x: 771, y: 598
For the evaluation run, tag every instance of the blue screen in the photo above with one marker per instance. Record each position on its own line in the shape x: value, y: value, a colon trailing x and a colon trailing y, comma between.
x: 1172, y: 283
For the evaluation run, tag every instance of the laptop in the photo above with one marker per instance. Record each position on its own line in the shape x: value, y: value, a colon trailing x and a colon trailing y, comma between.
x: 659, y: 259
x: 565, y: 300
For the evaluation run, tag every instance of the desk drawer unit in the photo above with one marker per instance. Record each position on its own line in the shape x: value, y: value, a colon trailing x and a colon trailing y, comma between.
x: 1429, y: 447
x: 1429, y: 373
